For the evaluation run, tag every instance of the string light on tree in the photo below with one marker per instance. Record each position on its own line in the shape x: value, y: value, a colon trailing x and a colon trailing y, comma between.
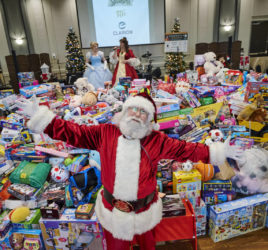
x: 175, y: 61
x: 75, y: 59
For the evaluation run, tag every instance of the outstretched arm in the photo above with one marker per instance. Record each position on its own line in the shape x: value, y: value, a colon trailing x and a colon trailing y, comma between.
x: 44, y: 120
x: 182, y: 151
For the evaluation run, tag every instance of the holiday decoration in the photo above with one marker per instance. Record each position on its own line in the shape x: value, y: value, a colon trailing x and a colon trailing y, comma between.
x: 75, y: 59
x: 175, y: 61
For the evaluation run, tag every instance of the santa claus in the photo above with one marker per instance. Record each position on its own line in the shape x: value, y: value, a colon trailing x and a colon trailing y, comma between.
x: 129, y: 149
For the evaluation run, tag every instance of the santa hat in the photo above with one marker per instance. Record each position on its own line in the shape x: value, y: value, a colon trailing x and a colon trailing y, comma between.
x: 144, y: 101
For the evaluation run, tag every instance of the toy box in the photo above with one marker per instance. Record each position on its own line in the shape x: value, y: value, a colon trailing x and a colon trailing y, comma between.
x: 201, y: 218
x: 217, y: 197
x: 71, y: 233
x: 35, y: 90
x: 31, y: 222
x: 5, y: 224
x: 233, y: 77
x: 217, y: 185
x: 237, y: 217
x: 254, y: 88
x: 23, y: 239
x: 188, y: 185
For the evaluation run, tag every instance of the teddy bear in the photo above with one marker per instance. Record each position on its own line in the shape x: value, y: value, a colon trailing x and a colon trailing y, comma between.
x: 89, y: 99
x: 83, y: 86
x: 75, y: 101
x: 252, y: 176
x: 211, y: 66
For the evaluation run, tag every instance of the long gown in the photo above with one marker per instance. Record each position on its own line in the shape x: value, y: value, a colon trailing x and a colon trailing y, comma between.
x: 99, y: 75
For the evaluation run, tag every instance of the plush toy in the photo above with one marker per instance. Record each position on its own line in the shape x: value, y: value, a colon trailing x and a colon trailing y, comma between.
x: 19, y: 214
x: 83, y: 86
x: 211, y: 66
x: 111, y: 97
x: 221, y: 74
x: 94, y: 159
x: 58, y: 90
x: 17, y: 241
x: 259, y: 115
x: 89, y: 99
x: 59, y: 173
x: 75, y: 101
x: 252, y: 176
x: 182, y: 87
x: 187, y: 166
x: 215, y: 135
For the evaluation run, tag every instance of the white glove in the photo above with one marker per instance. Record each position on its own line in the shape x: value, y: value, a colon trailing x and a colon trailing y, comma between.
x: 28, y: 107
x: 105, y: 65
x: 233, y: 152
x: 90, y: 66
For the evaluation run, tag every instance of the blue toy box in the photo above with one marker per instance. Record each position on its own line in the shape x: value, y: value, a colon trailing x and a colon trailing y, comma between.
x: 237, y: 217
x: 35, y: 90
x: 22, y: 239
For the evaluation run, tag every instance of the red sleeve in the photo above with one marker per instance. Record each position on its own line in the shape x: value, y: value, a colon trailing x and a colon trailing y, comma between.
x: 81, y: 136
x: 131, y: 54
x: 181, y: 151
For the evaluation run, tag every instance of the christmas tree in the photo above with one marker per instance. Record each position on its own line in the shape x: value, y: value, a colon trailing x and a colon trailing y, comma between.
x: 175, y: 61
x: 75, y: 59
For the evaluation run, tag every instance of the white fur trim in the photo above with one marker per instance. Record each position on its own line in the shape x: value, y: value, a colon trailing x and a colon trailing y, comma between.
x: 217, y: 153
x: 40, y: 119
x: 127, y: 169
x: 112, y: 59
x: 134, y: 62
x: 140, y: 102
x: 125, y: 225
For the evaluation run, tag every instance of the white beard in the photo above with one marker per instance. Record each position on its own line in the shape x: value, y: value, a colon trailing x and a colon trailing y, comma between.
x: 134, y: 127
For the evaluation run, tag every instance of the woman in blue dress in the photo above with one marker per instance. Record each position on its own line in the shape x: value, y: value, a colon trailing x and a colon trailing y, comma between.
x: 97, y: 71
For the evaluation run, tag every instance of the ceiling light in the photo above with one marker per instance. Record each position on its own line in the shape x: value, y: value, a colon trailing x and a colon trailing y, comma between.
x: 19, y: 41
x: 227, y: 27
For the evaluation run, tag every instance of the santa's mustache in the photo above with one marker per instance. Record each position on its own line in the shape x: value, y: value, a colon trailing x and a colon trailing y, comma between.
x: 138, y: 120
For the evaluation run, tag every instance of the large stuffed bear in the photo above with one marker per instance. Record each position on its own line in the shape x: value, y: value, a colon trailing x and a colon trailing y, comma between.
x: 211, y: 66
x: 252, y: 173
x: 83, y: 86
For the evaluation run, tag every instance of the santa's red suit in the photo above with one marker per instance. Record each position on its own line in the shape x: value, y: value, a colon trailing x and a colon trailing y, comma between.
x: 129, y: 69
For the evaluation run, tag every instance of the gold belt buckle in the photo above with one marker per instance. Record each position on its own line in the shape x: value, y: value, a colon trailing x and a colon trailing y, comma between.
x: 123, y: 206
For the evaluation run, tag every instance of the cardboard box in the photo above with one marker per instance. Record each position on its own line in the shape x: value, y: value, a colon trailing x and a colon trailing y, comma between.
x: 188, y: 185
x: 237, y: 217
x: 217, y: 185
x: 201, y: 218
x: 71, y: 233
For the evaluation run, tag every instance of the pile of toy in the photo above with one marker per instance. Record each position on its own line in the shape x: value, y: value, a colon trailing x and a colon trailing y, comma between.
x: 47, y: 201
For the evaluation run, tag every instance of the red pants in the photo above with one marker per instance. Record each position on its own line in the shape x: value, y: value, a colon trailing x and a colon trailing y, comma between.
x: 146, y: 241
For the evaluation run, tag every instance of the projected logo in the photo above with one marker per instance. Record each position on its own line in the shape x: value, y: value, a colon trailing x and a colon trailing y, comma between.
x: 122, y: 25
x: 112, y: 3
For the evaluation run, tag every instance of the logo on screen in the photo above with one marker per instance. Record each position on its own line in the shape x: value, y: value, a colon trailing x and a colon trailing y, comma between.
x: 112, y: 3
x: 122, y: 25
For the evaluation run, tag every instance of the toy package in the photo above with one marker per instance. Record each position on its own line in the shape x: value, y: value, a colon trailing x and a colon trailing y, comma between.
x: 254, y: 88
x: 26, y: 239
x: 35, y: 90
x: 201, y: 218
x: 188, y: 185
x: 172, y: 206
x: 26, y: 79
x: 71, y: 233
x: 217, y: 185
x: 233, y: 77
x: 31, y: 222
x: 237, y: 217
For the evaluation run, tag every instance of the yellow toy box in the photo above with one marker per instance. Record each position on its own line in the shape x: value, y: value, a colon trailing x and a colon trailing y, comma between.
x: 188, y: 185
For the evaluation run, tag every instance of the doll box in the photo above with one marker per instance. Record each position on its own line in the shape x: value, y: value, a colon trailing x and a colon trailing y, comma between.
x: 217, y: 185
x: 71, y: 233
x: 237, y: 217
x: 168, y: 108
x: 188, y: 185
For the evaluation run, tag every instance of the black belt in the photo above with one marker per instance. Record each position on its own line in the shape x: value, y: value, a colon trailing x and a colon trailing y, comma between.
x: 127, y: 206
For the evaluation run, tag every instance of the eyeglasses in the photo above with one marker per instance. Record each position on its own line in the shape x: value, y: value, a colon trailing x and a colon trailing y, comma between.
x: 141, y: 110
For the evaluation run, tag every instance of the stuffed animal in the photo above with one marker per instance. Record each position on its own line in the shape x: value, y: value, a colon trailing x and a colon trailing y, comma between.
x: 221, y: 74
x: 259, y: 115
x: 19, y: 214
x: 58, y: 90
x: 94, y: 159
x: 187, y: 166
x: 89, y: 99
x: 215, y: 135
x: 17, y: 241
x: 59, y: 173
x: 182, y: 87
x: 211, y: 66
x: 83, y: 86
x: 252, y: 176
x: 111, y: 97
x: 75, y: 101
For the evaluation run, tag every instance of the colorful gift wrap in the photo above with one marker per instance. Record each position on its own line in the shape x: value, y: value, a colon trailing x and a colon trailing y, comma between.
x: 188, y: 185
x: 237, y: 217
